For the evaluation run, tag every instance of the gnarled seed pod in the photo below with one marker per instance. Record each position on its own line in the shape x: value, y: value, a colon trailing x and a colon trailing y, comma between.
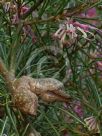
x: 49, y: 90
x: 23, y: 98
x: 26, y: 90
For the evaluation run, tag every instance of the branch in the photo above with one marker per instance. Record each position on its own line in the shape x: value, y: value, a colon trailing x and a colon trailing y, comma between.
x: 35, y: 6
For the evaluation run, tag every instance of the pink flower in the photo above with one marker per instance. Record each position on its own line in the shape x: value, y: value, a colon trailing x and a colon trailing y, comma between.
x: 82, y: 26
x: 78, y: 109
x: 27, y: 30
x: 24, y: 9
x: 67, y: 32
x: 91, y: 13
x: 99, y: 63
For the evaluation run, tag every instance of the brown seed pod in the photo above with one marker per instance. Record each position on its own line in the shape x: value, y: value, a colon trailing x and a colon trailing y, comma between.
x: 49, y: 90
x: 26, y: 90
x: 23, y: 98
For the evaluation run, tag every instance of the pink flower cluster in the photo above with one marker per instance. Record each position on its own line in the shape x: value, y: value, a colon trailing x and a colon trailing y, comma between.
x: 78, y: 109
x: 85, y: 27
x: 22, y: 10
x: 27, y: 30
x: 68, y: 32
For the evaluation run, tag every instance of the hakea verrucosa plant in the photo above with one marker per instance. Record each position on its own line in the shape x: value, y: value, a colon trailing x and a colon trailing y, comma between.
x: 26, y: 90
